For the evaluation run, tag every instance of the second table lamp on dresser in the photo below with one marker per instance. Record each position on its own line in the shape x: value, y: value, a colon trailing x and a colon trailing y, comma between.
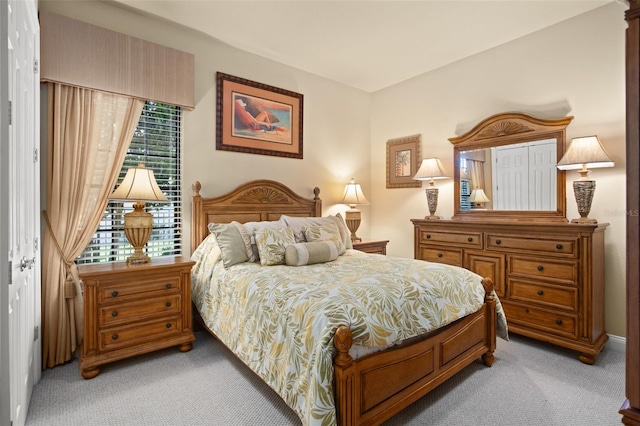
x: 139, y: 185
x: 431, y: 169
x: 353, y: 195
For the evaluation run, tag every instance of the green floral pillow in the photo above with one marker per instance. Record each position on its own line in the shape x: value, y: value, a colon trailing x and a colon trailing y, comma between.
x: 272, y: 242
x: 327, y: 232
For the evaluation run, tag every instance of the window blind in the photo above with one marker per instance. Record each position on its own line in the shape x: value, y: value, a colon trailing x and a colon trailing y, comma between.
x: 156, y: 144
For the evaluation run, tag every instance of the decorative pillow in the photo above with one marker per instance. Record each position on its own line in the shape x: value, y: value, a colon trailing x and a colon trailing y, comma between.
x: 344, y: 231
x: 296, y: 223
x: 251, y: 226
x: 272, y: 243
x: 208, y: 244
x: 246, y: 238
x: 309, y: 253
x: 230, y: 242
x: 328, y: 232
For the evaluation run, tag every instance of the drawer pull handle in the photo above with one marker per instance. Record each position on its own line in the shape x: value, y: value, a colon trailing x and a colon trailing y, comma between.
x: 470, y: 239
x: 114, y: 293
x: 498, y: 242
x: 540, y: 267
x: 428, y: 236
x: 114, y: 337
x: 540, y: 292
x: 168, y: 304
x: 168, y: 285
x: 526, y: 310
x: 114, y: 314
x: 559, y: 246
x: 439, y: 254
x: 559, y: 321
x: 168, y: 325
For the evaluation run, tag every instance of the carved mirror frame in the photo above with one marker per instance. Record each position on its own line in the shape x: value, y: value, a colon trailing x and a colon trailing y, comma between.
x: 507, y: 129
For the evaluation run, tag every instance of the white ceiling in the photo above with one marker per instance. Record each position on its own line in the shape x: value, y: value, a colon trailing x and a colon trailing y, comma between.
x: 368, y: 45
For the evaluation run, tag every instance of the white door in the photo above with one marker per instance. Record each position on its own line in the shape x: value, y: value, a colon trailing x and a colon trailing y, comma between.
x: 542, y: 175
x: 511, y: 178
x: 20, y: 223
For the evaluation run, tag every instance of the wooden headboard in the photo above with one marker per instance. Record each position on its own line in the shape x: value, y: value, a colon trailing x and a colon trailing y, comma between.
x: 254, y: 201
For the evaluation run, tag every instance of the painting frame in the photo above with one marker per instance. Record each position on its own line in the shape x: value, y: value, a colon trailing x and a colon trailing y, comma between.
x: 256, y: 118
x: 400, y: 169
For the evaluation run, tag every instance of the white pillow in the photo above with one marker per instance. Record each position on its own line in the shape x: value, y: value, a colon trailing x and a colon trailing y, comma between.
x: 297, y: 223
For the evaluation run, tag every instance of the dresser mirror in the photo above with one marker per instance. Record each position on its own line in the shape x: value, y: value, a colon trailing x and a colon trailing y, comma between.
x: 504, y: 169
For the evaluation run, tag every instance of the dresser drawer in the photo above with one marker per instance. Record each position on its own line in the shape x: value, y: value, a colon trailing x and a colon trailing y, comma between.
x: 140, y: 310
x: 441, y: 255
x: 146, y: 288
x: 543, y: 268
x: 545, y: 320
x: 467, y: 239
x: 549, y: 295
x: 557, y: 247
x: 119, y: 337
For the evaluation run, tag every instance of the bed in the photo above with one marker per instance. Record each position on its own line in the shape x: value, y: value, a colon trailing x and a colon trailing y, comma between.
x: 351, y: 384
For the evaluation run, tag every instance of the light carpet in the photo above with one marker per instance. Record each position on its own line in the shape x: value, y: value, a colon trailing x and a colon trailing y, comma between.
x: 530, y: 383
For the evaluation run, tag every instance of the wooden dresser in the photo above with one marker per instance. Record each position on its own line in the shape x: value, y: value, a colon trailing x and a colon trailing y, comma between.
x: 134, y: 309
x: 548, y: 276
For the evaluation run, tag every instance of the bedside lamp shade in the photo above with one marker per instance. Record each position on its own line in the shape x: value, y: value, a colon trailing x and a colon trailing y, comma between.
x: 139, y: 185
x: 431, y: 169
x: 584, y: 152
x: 353, y: 195
x: 478, y: 197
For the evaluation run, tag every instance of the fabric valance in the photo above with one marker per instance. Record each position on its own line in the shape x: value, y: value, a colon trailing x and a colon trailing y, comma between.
x: 84, y: 55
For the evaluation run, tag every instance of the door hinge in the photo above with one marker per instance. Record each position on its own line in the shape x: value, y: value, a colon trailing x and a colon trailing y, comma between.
x: 10, y: 272
x: 35, y: 155
x: 36, y: 333
x: 10, y: 112
x: 35, y: 244
x: 35, y: 66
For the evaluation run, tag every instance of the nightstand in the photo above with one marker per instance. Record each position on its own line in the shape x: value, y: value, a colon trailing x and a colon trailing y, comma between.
x: 378, y: 246
x: 134, y: 309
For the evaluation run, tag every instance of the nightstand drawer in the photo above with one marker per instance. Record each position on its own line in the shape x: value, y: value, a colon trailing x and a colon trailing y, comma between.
x: 441, y: 255
x: 147, y: 288
x: 468, y: 239
x: 141, y: 310
x: 552, y: 296
x: 544, y: 268
x: 545, y: 320
x: 117, y: 337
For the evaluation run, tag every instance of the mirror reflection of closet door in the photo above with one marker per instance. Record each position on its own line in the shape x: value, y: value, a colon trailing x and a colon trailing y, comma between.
x: 524, y: 176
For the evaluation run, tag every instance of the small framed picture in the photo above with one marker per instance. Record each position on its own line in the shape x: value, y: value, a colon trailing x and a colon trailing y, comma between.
x: 403, y: 159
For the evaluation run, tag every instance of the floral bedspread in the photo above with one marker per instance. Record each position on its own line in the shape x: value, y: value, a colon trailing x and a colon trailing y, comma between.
x: 279, y: 320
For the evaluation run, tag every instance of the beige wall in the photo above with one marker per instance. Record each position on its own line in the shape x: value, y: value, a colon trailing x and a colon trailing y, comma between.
x: 574, y: 68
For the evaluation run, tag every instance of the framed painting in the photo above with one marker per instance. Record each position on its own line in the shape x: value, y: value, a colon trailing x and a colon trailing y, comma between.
x: 258, y: 119
x: 403, y: 159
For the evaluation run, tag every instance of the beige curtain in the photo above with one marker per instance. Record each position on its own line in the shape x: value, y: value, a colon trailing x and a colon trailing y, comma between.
x: 476, y: 173
x: 88, y: 134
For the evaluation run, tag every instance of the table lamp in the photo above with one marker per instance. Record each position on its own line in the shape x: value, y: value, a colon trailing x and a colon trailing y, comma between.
x: 478, y: 197
x: 352, y: 196
x: 431, y: 169
x: 139, y: 185
x: 584, y: 152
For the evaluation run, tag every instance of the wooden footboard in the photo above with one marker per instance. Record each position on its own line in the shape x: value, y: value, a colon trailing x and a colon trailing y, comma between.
x: 372, y: 389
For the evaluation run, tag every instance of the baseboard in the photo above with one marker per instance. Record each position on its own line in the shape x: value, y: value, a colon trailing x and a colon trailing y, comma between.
x: 617, y: 343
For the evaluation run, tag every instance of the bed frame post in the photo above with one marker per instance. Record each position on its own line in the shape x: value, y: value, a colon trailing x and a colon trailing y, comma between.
x: 196, y: 216
x: 490, y: 301
x: 345, y: 389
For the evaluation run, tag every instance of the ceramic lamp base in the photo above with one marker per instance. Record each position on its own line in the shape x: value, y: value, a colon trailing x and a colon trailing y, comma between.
x: 138, y: 225
x: 353, y: 218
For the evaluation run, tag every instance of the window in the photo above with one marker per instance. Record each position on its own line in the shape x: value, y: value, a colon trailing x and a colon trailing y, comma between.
x: 156, y: 144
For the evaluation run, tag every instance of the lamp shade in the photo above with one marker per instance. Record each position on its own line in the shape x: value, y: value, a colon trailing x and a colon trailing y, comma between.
x: 584, y: 152
x: 431, y: 168
x: 353, y: 194
x: 139, y: 184
x: 478, y: 196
